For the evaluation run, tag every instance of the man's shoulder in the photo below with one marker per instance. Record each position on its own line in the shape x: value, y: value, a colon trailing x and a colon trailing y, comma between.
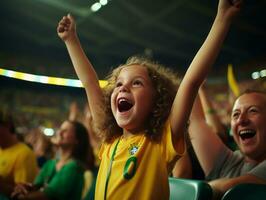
x: 23, y: 149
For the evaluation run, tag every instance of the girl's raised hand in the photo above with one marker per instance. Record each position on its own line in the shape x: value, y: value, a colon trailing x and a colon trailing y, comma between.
x: 66, y: 28
x: 229, y: 8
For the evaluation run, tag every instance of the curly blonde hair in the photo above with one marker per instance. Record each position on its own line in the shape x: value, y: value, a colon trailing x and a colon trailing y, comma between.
x: 165, y: 83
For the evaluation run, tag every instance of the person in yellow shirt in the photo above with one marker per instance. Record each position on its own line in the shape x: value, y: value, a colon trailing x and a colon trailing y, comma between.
x: 17, y: 161
x: 141, y: 115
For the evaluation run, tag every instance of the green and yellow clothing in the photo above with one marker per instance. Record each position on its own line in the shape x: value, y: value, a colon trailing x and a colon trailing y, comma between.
x: 18, y: 164
x: 139, y: 169
x: 67, y: 183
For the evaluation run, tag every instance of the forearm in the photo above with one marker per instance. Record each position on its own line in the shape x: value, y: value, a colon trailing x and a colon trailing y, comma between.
x: 86, y: 74
x: 37, y: 195
x: 220, y: 186
x: 81, y: 63
x: 210, y: 114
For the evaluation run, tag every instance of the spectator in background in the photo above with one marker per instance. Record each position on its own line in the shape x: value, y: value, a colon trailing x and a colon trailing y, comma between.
x: 62, y: 178
x: 223, y: 167
x: 17, y: 161
x: 40, y: 144
x: 86, y: 119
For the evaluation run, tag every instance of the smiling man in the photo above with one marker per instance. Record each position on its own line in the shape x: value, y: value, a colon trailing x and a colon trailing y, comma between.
x: 223, y: 167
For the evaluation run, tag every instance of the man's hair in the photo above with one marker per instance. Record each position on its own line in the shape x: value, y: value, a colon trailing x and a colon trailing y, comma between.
x: 251, y: 90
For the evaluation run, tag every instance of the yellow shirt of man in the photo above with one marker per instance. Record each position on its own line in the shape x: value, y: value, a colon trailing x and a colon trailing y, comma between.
x: 139, y: 169
x: 18, y: 164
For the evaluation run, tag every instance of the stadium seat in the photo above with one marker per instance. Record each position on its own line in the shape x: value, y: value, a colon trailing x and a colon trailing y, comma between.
x: 246, y: 192
x: 2, y: 197
x: 189, y: 189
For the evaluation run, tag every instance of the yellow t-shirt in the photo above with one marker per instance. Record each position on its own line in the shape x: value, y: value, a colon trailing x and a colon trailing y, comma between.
x: 140, y: 167
x: 18, y: 164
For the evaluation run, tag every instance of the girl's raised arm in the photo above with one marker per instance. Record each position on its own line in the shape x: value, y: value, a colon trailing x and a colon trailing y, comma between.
x: 67, y: 32
x: 200, y: 67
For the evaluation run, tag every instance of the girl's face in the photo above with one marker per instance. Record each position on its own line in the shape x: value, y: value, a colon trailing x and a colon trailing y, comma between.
x: 132, y: 98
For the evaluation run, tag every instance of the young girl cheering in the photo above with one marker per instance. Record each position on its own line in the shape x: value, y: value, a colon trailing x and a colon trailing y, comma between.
x: 145, y: 133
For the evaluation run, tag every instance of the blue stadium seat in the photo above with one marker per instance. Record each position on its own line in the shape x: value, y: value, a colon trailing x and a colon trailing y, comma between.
x: 188, y: 189
x: 2, y: 197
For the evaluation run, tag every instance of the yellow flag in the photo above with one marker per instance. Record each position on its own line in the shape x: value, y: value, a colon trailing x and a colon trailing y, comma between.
x: 232, y: 81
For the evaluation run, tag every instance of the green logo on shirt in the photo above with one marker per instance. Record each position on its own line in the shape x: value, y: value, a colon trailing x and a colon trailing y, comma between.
x: 130, y: 167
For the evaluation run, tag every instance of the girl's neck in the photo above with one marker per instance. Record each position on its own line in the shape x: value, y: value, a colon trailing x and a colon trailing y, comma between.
x: 128, y: 134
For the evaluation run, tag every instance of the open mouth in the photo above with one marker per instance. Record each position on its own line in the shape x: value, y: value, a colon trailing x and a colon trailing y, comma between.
x: 246, y: 134
x: 124, y: 105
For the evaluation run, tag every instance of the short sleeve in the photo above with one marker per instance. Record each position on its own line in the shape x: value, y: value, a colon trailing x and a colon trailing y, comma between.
x: 218, y: 165
x: 259, y: 171
x: 169, y: 151
x: 26, y: 167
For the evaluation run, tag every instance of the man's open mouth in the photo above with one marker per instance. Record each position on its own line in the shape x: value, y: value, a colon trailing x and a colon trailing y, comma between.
x: 246, y: 134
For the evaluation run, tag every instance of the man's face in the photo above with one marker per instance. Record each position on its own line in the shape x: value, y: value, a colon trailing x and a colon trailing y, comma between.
x: 248, y: 125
